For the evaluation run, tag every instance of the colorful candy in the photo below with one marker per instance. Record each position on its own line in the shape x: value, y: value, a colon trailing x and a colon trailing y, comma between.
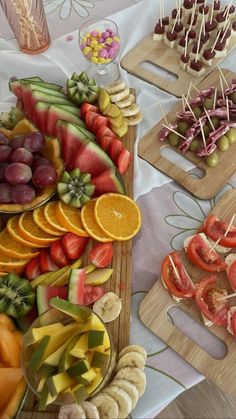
x: 100, y: 47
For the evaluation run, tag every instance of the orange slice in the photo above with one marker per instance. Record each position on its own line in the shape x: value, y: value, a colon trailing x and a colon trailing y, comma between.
x: 14, y: 249
x: 70, y: 218
x: 118, y: 216
x: 30, y: 231
x: 8, y: 264
x: 13, y: 229
x: 50, y: 215
x: 41, y: 221
x: 90, y: 224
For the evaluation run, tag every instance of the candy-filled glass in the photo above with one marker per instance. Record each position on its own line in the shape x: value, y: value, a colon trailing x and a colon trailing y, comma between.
x: 100, y: 44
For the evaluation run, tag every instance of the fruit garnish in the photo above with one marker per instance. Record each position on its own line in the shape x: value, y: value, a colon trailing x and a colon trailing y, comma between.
x: 70, y: 218
x: 16, y: 295
x: 82, y: 89
x: 75, y: 188
x: 90, y: 224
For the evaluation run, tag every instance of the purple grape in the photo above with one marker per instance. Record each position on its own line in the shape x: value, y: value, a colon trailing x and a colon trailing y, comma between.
x: 17, y: 141
x: 18, y: 173
x: 5, y: 153
x: 3, y: 166
x: 22, y: 155
x: 22, y: 194
x: 44, y: 176
x: 5, y: 193
x: 3, y: 139
x: 34, y: 142
x: 39, y: 161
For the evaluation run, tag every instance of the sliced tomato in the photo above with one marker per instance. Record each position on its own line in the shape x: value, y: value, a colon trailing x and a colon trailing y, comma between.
x: 181, y: 286
x: 231, y: 274
x: 32, y: 269
x: 46, y: 263
x: 115, y: 149
x: 215, y: 228
x: 98, y: 122
x: 90, y: 117
x: 58, y: 255
x: 200, y: 254
x: 102, y: 131
x: 106, y: 142
x: 86, y: 107
x: 92, y: 294
x: 123, y: 161
x: 101, y: 255
x: 206, y: 295
x: 73, y: 245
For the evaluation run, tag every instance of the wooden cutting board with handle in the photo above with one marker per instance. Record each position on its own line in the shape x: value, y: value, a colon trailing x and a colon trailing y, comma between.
x: 214, y: 178
x: 154, y: 308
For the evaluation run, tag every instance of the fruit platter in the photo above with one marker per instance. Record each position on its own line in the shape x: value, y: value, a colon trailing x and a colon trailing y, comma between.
x: 67, y: 223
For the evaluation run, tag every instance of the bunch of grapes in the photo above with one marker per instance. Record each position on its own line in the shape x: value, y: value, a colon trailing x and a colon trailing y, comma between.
x: 23, y: 169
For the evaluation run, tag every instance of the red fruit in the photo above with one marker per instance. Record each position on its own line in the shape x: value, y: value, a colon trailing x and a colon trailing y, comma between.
x: 101, y: 254
x: 46, y: 263
x: 115, y: 149
x: 85, y: 107
x: 90, y: 118
x: 32, y: 269
x: 104, y: 131
x: 73, y: 245
x: 123, y: 161
x: 57, y: 254
x: 92, y: 294
x: 100, y: 121
x: 105, y: 142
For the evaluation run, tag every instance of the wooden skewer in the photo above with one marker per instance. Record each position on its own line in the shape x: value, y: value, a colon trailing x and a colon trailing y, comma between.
x: 209, y: 119
x: 223, y: 77
x: 222, y: 88
x: 199, y: 40
x: 216, y: 40
x: 227, y: 107
x: 215, y: 97
x: 188, y: 105
x: 175, y: 21
x: 226, y: 12
x: 175, y: 132
x: 186, y: 44
x: 174, y: 267
x: 226, y: 297
x: 204, y: 29
x: 195, y: 88
x: 224, y: 34
x: 212, y: 11
x: 214, y: 245
x: 163, y: 114
x: 161, y: 13
x: 230, y: 224
x: 203, y: 135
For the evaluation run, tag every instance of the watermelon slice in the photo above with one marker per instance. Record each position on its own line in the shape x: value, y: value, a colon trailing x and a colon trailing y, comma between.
x: 108, y: 181
x: 41, y: 114
x: 16, y: 86
x: 76, y: 286
x: 44, y: 295
x: 55, y: 114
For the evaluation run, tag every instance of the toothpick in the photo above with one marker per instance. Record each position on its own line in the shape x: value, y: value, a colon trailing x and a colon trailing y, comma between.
x: 188, y: 105
x: 203, y: 135
x: 223, y: 77
x: 174, y: 267
x: 227, y: 107
x: 225, y: 31
x: 161, y: 13
x: 175, y: 132
x: 214, y: 245
x: 226, y: 12
x: 163, y: 114
x: 215, y: 97
x: 175, y: 21
x: 209, y: 119
x: 212, y: 11
x: 230, y: 224
x: 189, y: 89
x: 199, y: 40
x: 204, y: 29
x: 186, y: 44
x: 222, y: 88
x: 195, y: 88
x: 216, y: 40
x: 226, y: 297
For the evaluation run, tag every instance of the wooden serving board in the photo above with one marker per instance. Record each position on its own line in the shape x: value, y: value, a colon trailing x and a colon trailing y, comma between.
x: 120, y: 283
x: 159, y: 55
x: 214, y: 178
x: 153, y: 313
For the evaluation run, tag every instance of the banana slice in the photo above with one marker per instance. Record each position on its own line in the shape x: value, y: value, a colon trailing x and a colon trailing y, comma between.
x: 108, y: 307
x: 90, y: 410
x: 71, y: 411
x: 106, y: 406
x: 122, y: 398
x: 129, y: 388
x: 115, y: 87
x: 126, y: 102
x: 131, y: 359
x: 117, y: 97
x: 135, y: 119
x: 135, y: 376
x: 130, y: 110
x: 133, y: 348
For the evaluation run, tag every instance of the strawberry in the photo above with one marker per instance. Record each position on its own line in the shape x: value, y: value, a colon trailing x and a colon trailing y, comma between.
x: 90, y: 117
x: 105, y: 142
x: 101, y: 255
x: 32, y: 269
x: 45, y: 262
x: 123, y: 161
x: 92, y: 294
x: 73, y: 245
x: 102, y: 131
x: 57, y: 254
x: 85, y: 107
x: 98, y: 122
x: 115, y: 149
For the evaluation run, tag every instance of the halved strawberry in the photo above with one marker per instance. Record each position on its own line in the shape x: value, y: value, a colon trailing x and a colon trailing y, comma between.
x: 123, y: 161
x: 106, y: 142
x: 90, y: 118
x: 102, y: 131
x: 98, y: 122
x: 115, y: 149
x: 46, y: 263
x: 32, y: 269
x: 101, y: 255
x: 85, y: 107
x: 92, y: 294
x: 58, y: 255
x: 73, y: 245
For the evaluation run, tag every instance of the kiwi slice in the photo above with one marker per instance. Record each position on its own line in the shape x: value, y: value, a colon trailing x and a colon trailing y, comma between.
x: 82, y: 89
x: 75, y: 188
x: 16, y: 295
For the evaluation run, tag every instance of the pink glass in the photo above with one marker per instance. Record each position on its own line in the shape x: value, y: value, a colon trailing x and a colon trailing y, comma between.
x: 28, y: 22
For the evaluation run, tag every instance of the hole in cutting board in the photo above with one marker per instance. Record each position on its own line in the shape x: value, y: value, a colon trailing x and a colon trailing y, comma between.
x: 180, y: 161
x: 197, y: 333
x: 159, y: 71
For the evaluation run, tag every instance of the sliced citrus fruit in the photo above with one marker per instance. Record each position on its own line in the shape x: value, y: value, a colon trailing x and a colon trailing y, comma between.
x: 30, y: 231
x: 13, y: 229
x: 118, y: 216
x: 8, y: 264
x: 41, y: 221
x: 14, y: 249
x: 90, y: 224
x: 70, y: 218
x: 50, y: 215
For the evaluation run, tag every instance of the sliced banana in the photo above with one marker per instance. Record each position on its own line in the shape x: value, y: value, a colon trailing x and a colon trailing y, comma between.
x: 117, y: 97
x: 129, y: 388
x: 134, y: 120
x: 115, y: 87
x: 135, y: 376
x: 90, y: 410
x: 108, y: 307
x: 122, y: 398
x: 131, y: 359
x: 133, y: 348
x: 130, y: 110
x: 71, y: 411
x: 106, y: 406
x: 126, y: 102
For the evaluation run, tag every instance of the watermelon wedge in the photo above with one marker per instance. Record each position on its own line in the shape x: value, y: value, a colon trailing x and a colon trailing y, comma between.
x: 44, y: 295
x: 41, y: 114
x: 76, y: 286
x: 108, y: 181
x: 55, y: 114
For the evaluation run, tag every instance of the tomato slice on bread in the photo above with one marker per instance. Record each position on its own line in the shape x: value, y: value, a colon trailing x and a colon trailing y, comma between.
x: 215, y: 229
x: 180, y: 285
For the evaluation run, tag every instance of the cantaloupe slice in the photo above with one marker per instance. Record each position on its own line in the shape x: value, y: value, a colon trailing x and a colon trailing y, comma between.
x: 15, y: 401
x: 9, y: 349
x: 9, y: 379
x: 19, y: 337
x: 6, y: 323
